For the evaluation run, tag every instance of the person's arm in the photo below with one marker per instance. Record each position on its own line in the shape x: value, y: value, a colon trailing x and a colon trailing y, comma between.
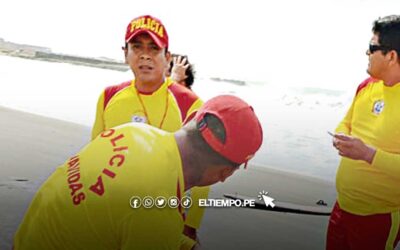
x: 195, y: 213
x: 353, y: 148
x: 387, y: 162
x: 356, y: 149
x: 188, y: 243
x: 98, y: 126
x: 343, y: 130
x: 344, y: 126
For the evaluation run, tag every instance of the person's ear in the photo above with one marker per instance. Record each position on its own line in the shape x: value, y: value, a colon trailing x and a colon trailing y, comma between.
x: 125, y: 49
x: 393, y: 57
x: 168, y: 57
x: 168, y: 68
x: 227, y: 171
x: 396, y: 57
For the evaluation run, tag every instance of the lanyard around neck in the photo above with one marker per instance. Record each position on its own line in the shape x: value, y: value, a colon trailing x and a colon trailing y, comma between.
x: 145, y: 111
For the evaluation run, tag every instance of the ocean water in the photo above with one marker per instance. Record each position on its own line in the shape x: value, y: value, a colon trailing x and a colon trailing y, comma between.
x: 295, y: 123
x: 295, y: 119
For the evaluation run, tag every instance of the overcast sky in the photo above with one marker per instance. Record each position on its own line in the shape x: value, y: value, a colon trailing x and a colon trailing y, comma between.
x: 316, y: 42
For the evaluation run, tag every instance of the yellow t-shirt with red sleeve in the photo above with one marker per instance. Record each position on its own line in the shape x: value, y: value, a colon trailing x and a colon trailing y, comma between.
x: 374, y: 117
x: 85, y: 203
x: 168, y: 108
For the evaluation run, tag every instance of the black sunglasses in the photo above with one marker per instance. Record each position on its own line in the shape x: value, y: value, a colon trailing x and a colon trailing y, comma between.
x: 374, y: 47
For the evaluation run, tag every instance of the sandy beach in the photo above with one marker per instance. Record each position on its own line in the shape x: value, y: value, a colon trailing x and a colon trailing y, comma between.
x: 243, y: 228
x: 33, y: 146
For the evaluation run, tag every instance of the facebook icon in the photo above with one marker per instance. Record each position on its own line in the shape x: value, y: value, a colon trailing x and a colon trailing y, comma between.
x: 135, y: 202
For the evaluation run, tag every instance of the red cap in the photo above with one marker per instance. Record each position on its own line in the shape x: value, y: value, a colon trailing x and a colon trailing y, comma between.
x: 243, y: 132
x: 149, y: 25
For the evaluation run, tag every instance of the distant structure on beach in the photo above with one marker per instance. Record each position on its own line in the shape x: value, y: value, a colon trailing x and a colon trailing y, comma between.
x: 10, y: 48
x: 45, y: 54
x: 237, y: 82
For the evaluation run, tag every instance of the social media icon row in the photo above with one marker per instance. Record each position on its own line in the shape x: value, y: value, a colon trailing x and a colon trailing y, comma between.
x: 160, y: 202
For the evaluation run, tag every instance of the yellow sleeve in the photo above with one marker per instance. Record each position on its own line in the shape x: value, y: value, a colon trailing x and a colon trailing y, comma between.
x: 195, y: 106
x: 187, y: 243
x: 345, y: 125
x: 387, y: 162
x: 98, y: 126
x: 195, y: 213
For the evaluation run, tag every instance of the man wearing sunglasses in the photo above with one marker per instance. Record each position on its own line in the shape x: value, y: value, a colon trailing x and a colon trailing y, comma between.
x: 366, y: 214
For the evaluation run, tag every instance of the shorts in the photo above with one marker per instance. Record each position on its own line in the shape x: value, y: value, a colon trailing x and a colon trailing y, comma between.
x: 348, y: 231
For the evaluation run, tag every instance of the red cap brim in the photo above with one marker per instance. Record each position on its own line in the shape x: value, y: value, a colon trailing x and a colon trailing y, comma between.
x: 151, y: 34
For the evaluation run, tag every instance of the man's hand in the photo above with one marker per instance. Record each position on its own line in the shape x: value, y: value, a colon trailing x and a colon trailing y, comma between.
x: 353, y: 148
x: 189, y: 239
x: 196, y: 247
x: 178, y: 72
x: 190, y: 232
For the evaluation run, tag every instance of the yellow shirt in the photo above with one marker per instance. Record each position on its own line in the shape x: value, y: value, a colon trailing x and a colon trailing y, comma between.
x: 374, y: 117
x: 168, y: 108
x: 85, y: 203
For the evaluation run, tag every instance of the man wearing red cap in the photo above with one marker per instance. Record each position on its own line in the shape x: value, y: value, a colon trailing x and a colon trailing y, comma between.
x: 151, y: 97
x: 99, y: 198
